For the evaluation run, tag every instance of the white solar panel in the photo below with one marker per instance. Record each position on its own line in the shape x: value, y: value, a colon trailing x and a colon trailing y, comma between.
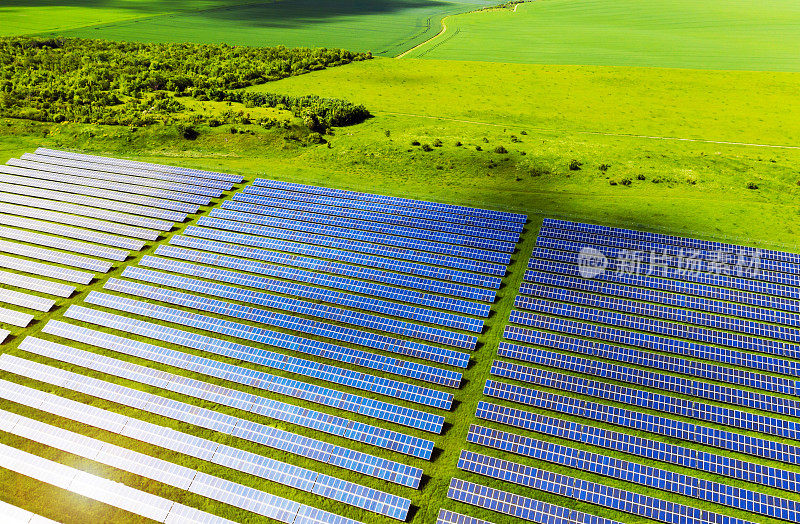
x: 60, y: 243
x: 15, y: 318
x: 55, y: 256
x: 71, y: 232
x: 44, y: 270
x: 9, y: 296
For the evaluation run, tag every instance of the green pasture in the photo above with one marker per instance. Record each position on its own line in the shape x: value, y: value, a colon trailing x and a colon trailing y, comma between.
x: 728, y: 34
x: 384, y: 27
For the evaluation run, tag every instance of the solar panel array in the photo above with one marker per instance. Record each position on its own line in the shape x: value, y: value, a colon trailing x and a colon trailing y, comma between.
x: 68, y: 220
x: 643, y: 332
x: 333, y: 336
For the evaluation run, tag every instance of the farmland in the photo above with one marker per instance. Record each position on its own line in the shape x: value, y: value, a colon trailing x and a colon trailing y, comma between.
x: 479, y: 120
x: 740, y: 35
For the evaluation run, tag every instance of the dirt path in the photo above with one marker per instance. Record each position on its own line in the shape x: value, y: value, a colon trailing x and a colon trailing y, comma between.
x: 437, y: 35
x: 628, y: 135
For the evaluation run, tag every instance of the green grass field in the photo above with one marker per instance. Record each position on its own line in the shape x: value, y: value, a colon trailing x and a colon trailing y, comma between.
x: 689, y: 142
x: 731, y: 34
x: 385, y: 27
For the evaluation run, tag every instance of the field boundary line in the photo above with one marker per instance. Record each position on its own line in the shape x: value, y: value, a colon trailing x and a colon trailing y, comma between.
x: 601, y: 133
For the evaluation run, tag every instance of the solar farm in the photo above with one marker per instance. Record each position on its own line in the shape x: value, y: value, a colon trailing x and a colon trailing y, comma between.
x: 182, y: 345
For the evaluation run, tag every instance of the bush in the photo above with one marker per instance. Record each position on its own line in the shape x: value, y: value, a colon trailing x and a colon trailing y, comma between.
x: 612, y: 182
x: 315, y: 138
x: 500, y: 150
x: 514, y: 139
x: 214, y: 123
x: 478, y: 148
x: 752, y: 185
x: 188, y: 132
x: 437, y: 143
x: 576, y: 166
x: 387, y: 133
x: 640, y: 177
x: 626, y: 181
x: 415, y: 142
x: 603, y: 167
x: 459, y: 144
x: 523, y: 132
x: 426, y: 147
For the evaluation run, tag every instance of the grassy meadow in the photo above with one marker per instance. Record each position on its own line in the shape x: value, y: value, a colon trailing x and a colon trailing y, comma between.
x: 680, y: 151
x: 734, y: 34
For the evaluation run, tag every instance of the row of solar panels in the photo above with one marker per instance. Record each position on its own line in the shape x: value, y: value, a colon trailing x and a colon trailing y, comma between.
x: 55, y: 211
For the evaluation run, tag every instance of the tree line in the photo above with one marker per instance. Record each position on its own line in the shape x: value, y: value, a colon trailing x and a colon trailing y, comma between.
x: 129, y: 83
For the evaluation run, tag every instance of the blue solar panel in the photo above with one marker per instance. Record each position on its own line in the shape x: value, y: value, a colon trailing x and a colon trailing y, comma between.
x: 467, y: 247
x: 327, y: 266
x: 646, y: 378
x: 673, y: 364
x: 416, y: 394
x: 645, y: 399
x: 422, y: 204
x: 397, y: 294
x: 634, y: 445
x: 518, y: 506
x: 640, y: 421
x: 383, y: 438
x: 395, y: 366
x: 366, y: 246
x: 450, y: 517
x: 634, y: 472
x: 669, y: 239
x: 535, y: 278
x: 658, y: 343
x: 389, y: 224
x: 639, y: 309
x: 591, y: 492
x: 454, y: 275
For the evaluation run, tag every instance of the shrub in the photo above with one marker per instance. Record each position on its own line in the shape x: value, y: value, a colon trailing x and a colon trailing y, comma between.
x: 514, y: 139
x: 437, y: 143
x: 752, y: 185
x: 426, y: 147
x: 523, y: 132
x: 485, y: 140
x: 574, y: 165
x: 500, y: 150
x: 459, y: 144
x: 640, y: 177
x: 626, y: 181
x: 315, y: 138
x: 188, y: 132
x: 214, y: 123
x: 234, y: 130
x: 612, y: 182
x: 387, y: 133
x: 415, y: 142
x: 603, y: 167
x: 478, y: 148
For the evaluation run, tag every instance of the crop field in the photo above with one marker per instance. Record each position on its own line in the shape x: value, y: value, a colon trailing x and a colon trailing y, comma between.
x: 384, y: 27
x: 570, y: 131
x: 737, y: 34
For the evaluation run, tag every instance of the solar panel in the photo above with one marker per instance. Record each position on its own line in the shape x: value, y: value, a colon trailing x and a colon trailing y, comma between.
x: 723, y: 374
x: 652, y: 477
x: 15, y: 515
x: 102, y: 203
x: 315, y: 277
x: 104, y: 215
x: 14, y: 175
x: 15, y: 318
x: 257, y: 204
x: 387, y: 439
x: 160, y: 470
x: 327, y: 266
x: 450, y: 517
x: 414, y: 228
x: 54, y: 256
x: 416, y: 394
x: 31, y: 283
x: 591, y: 492
x: 9, y: 296
x: 424, y: 270
x: 78, y: 169
x: 659, y: 343
x: 261, y: 466
x: 71, y: 232
x: 312, y: 308
x: 478, y: 249
x: 648, y: 399
x: 640, y: 421
x: 450, y: 208
x: 536, y: 278
x: 45, y: 270
x: 635, y: 445
x: 97, y: 488
x: 142, y: 165
x: 358, y: 246
x: 516, y: 505
x: 227, y: 424
x: 668, y: 239
x: 88, y: 223
x: 61, y: 243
